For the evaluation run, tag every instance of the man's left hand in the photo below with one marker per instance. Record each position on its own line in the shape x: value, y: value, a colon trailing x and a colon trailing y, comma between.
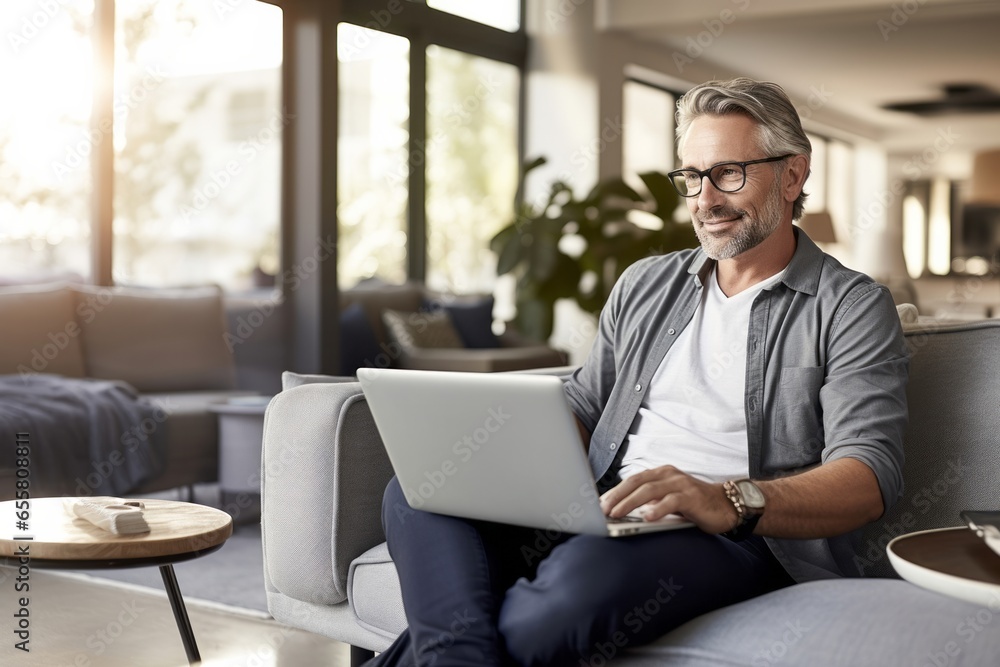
x: 667, y: 490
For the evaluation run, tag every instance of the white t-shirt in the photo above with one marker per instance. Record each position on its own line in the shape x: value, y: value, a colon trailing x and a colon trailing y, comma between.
x: 692, y: 416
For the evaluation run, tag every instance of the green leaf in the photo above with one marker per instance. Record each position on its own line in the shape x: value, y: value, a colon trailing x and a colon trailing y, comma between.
x: 510, y: 256
x: 662, y: 192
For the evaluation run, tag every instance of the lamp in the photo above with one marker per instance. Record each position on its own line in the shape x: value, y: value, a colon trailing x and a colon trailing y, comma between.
x: 985, y: 187
x: 819, y: 227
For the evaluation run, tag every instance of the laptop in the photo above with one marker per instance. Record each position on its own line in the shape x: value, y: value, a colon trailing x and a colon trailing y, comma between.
x: 496, y: 447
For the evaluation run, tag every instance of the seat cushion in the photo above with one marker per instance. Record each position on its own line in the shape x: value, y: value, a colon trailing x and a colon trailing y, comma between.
x: 374, y: 594
x: 833, y: 623
x: 39, y: 332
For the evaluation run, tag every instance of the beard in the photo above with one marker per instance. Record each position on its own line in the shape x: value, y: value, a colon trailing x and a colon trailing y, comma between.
x: 750, y: 232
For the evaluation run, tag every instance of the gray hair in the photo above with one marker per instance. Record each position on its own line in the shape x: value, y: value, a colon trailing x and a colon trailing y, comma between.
x: 779, y: 130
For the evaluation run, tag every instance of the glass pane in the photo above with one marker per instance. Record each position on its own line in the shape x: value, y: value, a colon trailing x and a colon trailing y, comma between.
x: 372, y: 174
x: 914, y: 238
x: 649, y: 131
x: 939, y: 227
x: 45, y: 139
x: 471, y: 166
x: 197, y: 132
x: 503, y: 14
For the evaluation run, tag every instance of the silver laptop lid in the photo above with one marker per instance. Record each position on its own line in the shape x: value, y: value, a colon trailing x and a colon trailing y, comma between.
x: 495, y: 447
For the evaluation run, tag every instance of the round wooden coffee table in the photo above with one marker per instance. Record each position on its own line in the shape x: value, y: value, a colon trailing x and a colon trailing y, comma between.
x: 178, y: 531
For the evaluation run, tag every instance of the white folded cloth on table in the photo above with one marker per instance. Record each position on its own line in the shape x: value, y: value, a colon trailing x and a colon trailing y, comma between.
x: 115, y: 515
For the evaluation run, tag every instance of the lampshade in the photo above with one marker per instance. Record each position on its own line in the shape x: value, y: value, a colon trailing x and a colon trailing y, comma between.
x: 985, y: 189
x: 819, y: 227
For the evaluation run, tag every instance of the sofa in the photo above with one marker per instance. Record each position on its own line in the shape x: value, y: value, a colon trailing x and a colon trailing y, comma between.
x: 366, y: 340
x: 327, y: 569
x: 169, y: 345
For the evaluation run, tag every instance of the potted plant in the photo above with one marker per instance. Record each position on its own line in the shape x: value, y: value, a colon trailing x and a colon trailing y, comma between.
x: 565, y: 247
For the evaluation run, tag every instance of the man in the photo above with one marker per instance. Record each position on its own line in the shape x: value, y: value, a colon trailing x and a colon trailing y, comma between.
x: 754, y: 386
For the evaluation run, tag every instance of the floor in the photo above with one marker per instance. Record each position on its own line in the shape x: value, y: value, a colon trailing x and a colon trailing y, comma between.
x: 76, y: 620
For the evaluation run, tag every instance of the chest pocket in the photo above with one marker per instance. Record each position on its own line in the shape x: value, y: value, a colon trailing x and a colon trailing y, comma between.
x: 798, y: 419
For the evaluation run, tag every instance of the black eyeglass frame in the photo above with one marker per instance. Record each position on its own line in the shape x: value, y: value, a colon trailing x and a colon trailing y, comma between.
x: 702, y: 173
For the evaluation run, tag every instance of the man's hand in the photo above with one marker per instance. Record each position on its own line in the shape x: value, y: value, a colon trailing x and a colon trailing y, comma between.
x: 667, y: 490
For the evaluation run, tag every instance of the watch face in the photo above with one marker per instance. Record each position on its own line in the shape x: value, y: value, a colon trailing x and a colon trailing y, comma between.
x: 752, y: 496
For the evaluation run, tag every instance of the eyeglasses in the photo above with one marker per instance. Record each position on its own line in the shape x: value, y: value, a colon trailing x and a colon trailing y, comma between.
x: 725, y: 176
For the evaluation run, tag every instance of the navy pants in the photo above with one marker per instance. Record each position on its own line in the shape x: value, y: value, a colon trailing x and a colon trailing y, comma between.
x: 482, y: 593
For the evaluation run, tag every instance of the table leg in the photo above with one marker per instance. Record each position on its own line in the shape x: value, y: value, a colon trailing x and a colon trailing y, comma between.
x: 180, y: 613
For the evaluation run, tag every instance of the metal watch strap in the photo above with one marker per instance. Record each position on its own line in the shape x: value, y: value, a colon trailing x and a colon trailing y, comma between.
x: 747, y: 519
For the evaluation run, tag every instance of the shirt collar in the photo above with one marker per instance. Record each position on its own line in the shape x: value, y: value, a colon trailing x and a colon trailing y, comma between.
x: 801, y: 274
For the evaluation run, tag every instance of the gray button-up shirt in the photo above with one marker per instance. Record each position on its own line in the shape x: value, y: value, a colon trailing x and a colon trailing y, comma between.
x: 826, y: 374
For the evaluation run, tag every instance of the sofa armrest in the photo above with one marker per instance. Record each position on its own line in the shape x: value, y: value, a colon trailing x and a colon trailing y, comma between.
x: 324, y: 471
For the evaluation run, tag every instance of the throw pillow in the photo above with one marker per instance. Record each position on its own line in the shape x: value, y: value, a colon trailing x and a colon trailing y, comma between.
x: 473, y: 321
x: 358, y: 344
x: 421, y: 330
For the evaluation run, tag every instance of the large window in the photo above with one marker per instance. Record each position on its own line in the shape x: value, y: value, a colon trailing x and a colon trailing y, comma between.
x: 429, y: 130
x: 198, y: 125
x: 503, y: 14
x: 471, y: 165
x: 196, y: 134
x: 45, y: 142
x: 648, y: 130
x: 372, y: 153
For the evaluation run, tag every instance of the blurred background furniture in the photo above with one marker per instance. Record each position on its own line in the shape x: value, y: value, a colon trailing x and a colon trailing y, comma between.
x: 367, y: 341
x: 169, y: 345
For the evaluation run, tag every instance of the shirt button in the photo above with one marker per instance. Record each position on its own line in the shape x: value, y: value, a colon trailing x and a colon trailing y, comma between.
x: 638, y: 387
x: 613, y: 446
x: 670, y: 332
x: 753, y: 404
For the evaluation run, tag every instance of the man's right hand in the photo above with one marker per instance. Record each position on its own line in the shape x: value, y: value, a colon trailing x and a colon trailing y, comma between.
x: 667, y: 490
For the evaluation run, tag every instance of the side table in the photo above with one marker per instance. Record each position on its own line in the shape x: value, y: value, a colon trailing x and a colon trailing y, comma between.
x: 178, y: 531
x: 241, y: 432
x: 952, y: 561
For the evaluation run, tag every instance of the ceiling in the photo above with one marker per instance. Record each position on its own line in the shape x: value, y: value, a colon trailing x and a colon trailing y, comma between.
x: 856, y: 54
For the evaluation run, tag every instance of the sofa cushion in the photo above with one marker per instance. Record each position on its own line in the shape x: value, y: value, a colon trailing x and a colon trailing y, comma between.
x: 39, y: 332
x: 432, y: 330
x: 472, y: 318
x: 833, y: 623
x: 374, y: 594
x: 376, y: 296
x: 358, y: 343
x: 156, y: 340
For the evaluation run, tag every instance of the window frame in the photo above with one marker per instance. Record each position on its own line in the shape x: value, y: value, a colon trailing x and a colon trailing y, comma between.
x: 424, y: 26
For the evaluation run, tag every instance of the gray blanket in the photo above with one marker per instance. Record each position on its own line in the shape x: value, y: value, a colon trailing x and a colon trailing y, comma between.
x: 89, y: 437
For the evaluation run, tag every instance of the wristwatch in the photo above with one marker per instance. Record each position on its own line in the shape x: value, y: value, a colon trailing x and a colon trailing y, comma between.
x: 749, y: 502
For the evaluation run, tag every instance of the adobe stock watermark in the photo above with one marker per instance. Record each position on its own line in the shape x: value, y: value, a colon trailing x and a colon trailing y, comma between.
x: 34, y: 23
x: 562, y: 11
x: 135, y: 436
x: 78, y: 154
x: 779, y: 648
x: 913, y: 169
x: 696, y: 46
x: 220, y: 179
x: 291, y: 280
x: 58, y: 341
x: 968, y: 629
x: 922, y: 501
x: 456, y: 116
x: 901, y: 13
x: 466, y: 447
x: 635, y: 620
